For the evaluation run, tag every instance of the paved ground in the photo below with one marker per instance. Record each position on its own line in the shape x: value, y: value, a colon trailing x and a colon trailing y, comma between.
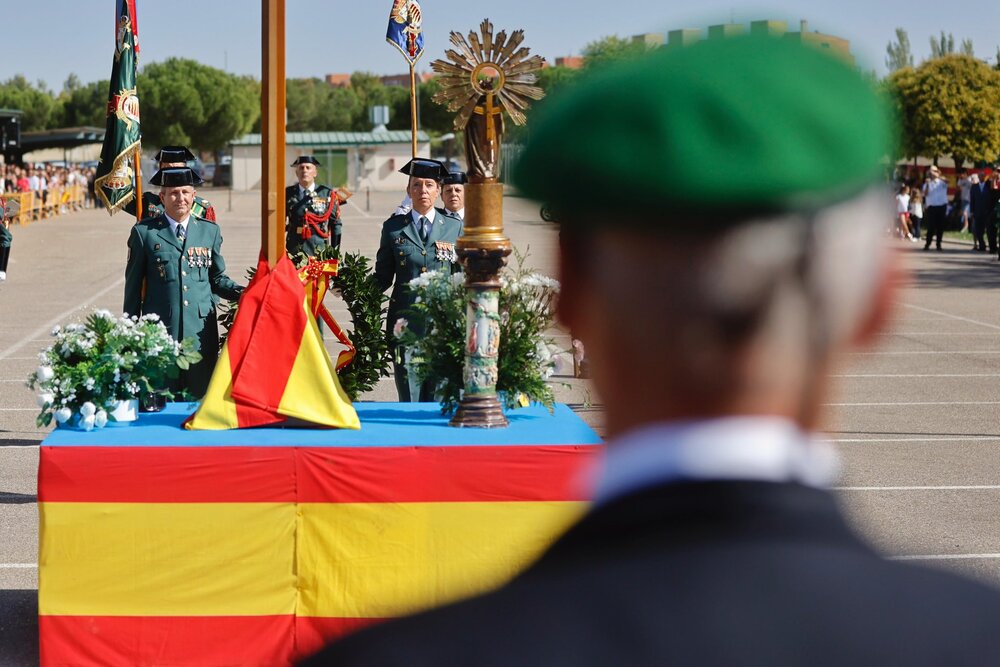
x: 916, y: 421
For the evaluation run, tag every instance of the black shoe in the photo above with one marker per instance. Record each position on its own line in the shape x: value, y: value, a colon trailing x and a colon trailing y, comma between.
x: 940, y: 248
x: 927, y: 247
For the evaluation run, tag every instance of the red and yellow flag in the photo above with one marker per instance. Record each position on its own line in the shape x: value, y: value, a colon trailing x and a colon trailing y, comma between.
x: 274, y: 368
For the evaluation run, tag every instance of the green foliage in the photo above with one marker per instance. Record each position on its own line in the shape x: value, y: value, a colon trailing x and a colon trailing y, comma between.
x: 526, y: 356
x: 83, y: 104
x: 949, y: 106
x: 613, y: 49
x: 185, y: 102
x: 36, y: 102
x: 943, y: 45
x: 367, y: 305
x: 314, y: 105
x: 898, y: 55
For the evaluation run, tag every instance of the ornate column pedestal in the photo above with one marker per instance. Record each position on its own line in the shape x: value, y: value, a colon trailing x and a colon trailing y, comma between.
x: 483, y: 249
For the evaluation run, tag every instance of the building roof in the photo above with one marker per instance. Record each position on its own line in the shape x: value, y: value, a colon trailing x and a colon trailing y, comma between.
x: 338, y: 139
x: 64, y: 137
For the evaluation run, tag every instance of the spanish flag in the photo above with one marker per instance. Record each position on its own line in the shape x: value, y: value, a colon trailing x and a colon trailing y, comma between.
x: 254, y: 547
x: 274, y: 368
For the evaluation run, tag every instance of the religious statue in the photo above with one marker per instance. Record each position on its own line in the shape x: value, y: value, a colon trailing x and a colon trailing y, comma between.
x: 485, y: 78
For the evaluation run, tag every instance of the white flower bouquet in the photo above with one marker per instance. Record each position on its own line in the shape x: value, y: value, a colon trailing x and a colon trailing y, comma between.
x: 527, y: 357
x: 92, y: 366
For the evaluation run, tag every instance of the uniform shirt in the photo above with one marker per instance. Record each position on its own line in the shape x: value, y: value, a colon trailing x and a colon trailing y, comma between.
x: 771, y: 449
x: 460, y: 213
x: 416, y: 220
x: 936, y: 192
x: 173, y: 224
x: 311, y: 189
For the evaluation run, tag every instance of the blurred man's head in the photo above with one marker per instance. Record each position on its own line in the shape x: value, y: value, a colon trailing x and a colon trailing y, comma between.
x: 699, y: 295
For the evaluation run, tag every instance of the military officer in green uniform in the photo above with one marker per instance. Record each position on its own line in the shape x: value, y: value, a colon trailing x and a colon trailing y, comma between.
x: 179, y: 257
x: 414, y: 243
x: 169, y: 157
x: 8, y: 210
x: 312, y: 211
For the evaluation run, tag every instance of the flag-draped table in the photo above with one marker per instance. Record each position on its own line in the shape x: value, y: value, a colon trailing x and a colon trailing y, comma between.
x: 252, y: 547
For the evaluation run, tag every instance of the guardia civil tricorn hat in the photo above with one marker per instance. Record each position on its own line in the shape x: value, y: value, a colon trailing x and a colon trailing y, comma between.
x: 173, y: 154
x: 456, y: 178
x: 174, y: 177
x: 305, y: 159
x: 736, y: 125
x: 420, y: 167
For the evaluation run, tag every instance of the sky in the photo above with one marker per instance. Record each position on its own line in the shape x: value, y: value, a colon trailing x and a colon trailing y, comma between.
x: 326, y: 36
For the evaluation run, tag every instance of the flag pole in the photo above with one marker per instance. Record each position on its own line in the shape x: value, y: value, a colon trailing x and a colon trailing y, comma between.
x: 413, y: 108
x: 272, y: 128
x: 138, y: 182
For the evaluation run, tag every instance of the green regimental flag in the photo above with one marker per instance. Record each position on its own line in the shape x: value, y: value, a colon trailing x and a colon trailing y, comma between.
x: 115, y: 179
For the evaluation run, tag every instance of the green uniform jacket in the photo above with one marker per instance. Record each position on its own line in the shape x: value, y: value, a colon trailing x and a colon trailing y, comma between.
x: 296, y: 207
x: 183, y: 286
x: 152, y: 206
x: 5, y: 236
x: 402, y: 256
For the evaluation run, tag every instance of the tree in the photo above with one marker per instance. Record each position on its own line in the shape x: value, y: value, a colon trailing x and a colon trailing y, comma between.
x: 898, y: 54
x: 612, y: 49
x: 83, y: 104
x: 185, y: 102
x: 942, y: 46
x: 36, y: 103
x: 949, y: 106
x: 966, y: 48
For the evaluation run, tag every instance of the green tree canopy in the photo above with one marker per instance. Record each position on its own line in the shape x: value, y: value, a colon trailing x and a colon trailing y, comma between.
x: 185, y: 102
x: 612, y: 49
x: 898, y: 55
x: 83, y: 104
x: 949, y: 106
x: 943, y: 45
x: 36, y: 102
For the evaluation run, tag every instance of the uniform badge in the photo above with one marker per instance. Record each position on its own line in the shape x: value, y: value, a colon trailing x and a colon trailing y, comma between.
x: 445, y: 252
x: 319, y: 204
x: 156, y: 246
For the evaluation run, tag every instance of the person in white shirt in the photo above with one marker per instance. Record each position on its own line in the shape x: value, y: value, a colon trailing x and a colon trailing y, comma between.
x: 903, y: 213
x: 935, y: 191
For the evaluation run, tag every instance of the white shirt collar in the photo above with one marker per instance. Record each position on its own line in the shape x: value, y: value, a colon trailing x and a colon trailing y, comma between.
x: 173, y: 223
x: 416, y: 216
x: 771, y: 449
x: 460, y: 213
x: 311, y: 188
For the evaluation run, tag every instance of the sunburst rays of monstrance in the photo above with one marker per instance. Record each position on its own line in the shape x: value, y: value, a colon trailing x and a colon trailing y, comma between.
x: 485, y: 77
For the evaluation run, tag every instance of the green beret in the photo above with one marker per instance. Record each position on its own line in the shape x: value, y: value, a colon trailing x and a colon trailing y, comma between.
x: 748, y: 124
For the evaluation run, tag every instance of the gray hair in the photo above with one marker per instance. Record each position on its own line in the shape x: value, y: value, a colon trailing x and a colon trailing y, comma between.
x: 792, y: 286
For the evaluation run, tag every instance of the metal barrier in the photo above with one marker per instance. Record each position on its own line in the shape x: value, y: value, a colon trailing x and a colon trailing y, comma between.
x: 59, y: 201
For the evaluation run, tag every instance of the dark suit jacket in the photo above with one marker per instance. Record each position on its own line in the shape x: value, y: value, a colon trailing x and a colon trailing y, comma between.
x: 979, y: 201
x: 723, y: 573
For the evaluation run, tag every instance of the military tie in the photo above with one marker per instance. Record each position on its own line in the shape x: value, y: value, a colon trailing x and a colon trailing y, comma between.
x: 425, y: 228
x: 181, y: 234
